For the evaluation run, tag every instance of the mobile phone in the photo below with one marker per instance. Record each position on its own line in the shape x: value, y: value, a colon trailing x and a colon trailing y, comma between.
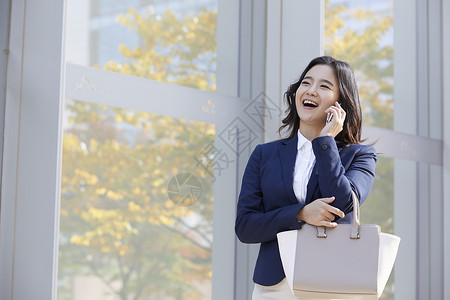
x: 329, y: 117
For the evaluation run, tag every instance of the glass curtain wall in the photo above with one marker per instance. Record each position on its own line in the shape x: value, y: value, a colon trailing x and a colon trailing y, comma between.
x: 169, y: 41
x: 361, y: 33
x: 140, y: 186
x: 137, y: 187
x: 400, y: 95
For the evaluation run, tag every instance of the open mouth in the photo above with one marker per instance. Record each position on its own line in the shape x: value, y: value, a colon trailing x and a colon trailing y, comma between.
x: 310, y: 103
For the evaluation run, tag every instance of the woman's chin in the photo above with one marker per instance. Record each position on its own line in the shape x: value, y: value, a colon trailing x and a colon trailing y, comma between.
x: 312, y: 121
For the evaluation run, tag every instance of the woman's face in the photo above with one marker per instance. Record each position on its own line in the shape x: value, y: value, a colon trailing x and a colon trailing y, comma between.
x: 318, y: 91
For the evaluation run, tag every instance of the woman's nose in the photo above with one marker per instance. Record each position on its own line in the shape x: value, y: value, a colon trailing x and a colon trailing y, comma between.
x: 312, y: 91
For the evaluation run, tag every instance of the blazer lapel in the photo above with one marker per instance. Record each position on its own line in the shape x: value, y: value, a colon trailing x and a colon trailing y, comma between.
x: 312, y: 183
x: 288, y: 153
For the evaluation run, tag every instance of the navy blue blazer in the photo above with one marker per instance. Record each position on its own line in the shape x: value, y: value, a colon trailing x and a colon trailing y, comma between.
x: 267, y: 203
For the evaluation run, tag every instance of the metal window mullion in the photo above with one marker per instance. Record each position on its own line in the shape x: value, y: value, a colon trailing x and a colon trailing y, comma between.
x: 445, y: 13
x: 31, y: 178
x: 423, y: 231
x: 405, y: 120
x: 227, y: 48
x: 252, y: 38
x: 437, y: 221
x: 4, y: 41
x: 9, y: 155
x: 435, y: 69
x: 435, y: 130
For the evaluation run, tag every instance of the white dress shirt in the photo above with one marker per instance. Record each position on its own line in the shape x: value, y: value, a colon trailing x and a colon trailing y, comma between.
x: 304, y: 163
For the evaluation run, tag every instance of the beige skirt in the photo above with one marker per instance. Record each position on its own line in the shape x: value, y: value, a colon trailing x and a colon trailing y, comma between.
x: 280, y: 291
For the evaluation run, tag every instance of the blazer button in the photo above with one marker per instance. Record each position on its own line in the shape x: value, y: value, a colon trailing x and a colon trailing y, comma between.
x: 325, y: 147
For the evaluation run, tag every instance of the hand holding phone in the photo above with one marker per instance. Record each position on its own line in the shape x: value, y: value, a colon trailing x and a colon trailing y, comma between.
x: 334, y: 121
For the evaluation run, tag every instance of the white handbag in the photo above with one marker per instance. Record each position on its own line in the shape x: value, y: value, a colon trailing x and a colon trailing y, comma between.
x: 350, y: 261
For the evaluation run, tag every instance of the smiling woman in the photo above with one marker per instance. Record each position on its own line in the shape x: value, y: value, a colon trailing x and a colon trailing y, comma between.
x: 316, y: 97
x: 321, y: 163
x: 324, y: 82
x: 320, y: 82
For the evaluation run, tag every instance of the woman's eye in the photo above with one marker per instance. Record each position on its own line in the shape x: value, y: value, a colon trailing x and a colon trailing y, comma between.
x: 305, y: 82
x: 325, y: 86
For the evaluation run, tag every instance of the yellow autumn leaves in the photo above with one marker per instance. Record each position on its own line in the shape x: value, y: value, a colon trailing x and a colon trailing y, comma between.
x: 174, y: 49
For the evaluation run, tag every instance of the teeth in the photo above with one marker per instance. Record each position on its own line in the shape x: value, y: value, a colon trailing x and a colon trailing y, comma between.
x: 310, y: 102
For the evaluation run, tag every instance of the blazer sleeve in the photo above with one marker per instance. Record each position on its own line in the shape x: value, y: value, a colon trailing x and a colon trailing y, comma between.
x: 253, y: 223
x: 338, y: 181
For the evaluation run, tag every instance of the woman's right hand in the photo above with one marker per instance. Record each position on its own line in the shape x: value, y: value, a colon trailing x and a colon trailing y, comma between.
x: 320, y: 213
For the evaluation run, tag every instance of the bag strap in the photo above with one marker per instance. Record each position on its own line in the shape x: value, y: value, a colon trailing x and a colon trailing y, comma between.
x: 354, y: 232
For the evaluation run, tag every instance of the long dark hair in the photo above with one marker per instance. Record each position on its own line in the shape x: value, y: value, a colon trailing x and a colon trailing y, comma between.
x: 348, y: 99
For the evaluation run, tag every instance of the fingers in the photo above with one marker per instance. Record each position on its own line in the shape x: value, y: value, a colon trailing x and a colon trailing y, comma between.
x: 328, y: 210
x: 327, y: 216
x: 337, y: 112
x: 328, y: 224
x: 333, y: 209
x: 341, y: 110
x: 336, y: 211
x: 334, y: 122
x: 320, y: 213
x: 327, y: 200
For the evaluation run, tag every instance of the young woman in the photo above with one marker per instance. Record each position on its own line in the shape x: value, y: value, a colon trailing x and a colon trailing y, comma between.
x: 307, y: 177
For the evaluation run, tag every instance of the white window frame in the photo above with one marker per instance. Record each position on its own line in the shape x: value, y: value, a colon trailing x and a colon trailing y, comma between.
x: 32, y: 148
x: 446, y: 140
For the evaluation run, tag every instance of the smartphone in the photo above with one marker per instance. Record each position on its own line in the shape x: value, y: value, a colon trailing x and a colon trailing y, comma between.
x: 329, y: 117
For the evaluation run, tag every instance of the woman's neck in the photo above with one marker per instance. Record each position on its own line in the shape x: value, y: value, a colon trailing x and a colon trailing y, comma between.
x: 309, y: 132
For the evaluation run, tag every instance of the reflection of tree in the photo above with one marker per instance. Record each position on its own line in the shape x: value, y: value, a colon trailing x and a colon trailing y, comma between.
x: 117, y: 222
x: 359, y: 36
x: 179, y: 50
x: 362, y: 46
x: 372, y: 64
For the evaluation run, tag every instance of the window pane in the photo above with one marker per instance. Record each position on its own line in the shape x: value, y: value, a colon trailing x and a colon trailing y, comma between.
x: 136, y: 205
x: 171, y: 41
x: 361, y: 33
x: 379, y: 207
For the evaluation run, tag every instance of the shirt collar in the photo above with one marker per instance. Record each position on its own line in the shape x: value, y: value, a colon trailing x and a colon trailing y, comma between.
x: 301, y: 140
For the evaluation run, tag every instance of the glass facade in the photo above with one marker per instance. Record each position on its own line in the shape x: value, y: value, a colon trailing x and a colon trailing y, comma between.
x: 379, y: 207
x: 169, y: 41
x: 137, y: 187
x: 129, y: 190
x: 361, y: 33
x: 136, y: 211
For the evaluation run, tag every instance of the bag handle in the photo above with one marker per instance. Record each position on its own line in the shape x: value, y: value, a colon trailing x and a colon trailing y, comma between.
x: 354, y: 232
